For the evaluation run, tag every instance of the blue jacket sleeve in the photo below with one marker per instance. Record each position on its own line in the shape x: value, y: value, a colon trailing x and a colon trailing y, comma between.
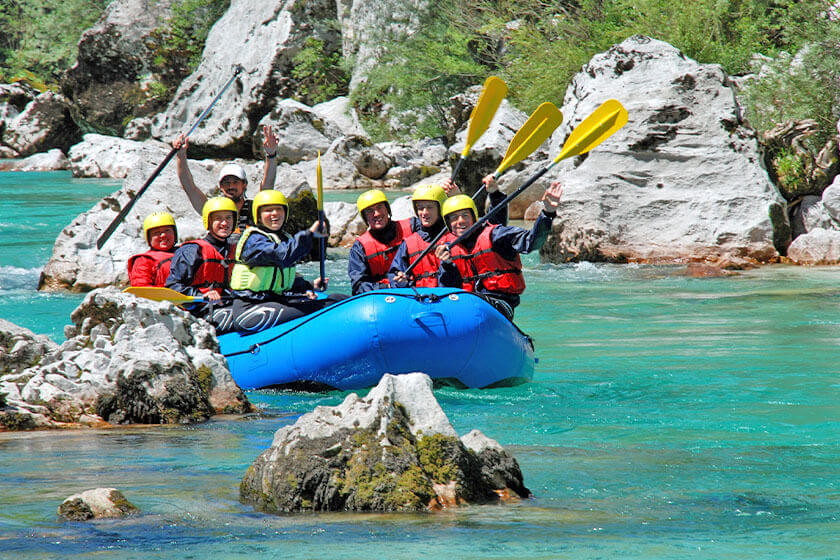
x: 499, y: 217
x: 510, y: 240
x: 399, y: 264
x: 259, y: 250
x: 359, y: 272
x: 182, y: 269
x: 449, y: 276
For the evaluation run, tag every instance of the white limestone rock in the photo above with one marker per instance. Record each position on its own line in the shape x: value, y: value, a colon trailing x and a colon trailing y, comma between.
x: 45, y: 123
x: 682, y: 181
x: 818, y: 246
x: 127, y: 360
x: 263, y: 38
x: 52, y: 160
x: 98, y: 503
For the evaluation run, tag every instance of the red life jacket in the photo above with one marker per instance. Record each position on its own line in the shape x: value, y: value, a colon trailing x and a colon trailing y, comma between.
x: 380, y: 255
x: 214, y: 270
x: 485, y: 267
x: 150, y: 268
x: 426, y: 271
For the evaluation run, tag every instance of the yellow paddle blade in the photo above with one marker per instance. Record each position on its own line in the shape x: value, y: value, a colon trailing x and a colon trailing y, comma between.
x: 491, y: 97
x: 319, y: 180
x: 160, y: 294
x: 596, y: 128
x: 536, y: 130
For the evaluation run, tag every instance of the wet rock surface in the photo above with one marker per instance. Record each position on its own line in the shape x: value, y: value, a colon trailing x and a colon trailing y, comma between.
x: 394, y: 450
x: 125, y: 361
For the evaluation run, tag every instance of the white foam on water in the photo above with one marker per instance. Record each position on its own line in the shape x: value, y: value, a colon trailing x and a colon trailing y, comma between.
x: 16, y: 278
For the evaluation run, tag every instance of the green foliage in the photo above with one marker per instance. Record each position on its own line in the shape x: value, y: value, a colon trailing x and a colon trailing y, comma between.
x: 177, y: 46
x: 537, y: 46
x: 40, y: 36
x: 319, y: 73
x: 803, y: 87
x: 790, y: 172
x: 416, y: 77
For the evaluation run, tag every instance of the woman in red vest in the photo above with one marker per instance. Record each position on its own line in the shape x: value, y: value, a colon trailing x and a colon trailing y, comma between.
x: 488, y: 260
x: 152, y: 267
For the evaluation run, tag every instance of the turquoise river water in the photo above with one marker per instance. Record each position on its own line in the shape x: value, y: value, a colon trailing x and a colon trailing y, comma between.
x: 669, y: 417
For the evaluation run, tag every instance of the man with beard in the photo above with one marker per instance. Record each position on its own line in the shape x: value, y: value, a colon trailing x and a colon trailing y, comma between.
x: 232, y: 179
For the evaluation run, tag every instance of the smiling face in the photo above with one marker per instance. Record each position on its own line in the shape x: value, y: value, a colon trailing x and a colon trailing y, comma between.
x: 162, y: 238
x: 222, y: 224
x: 272, y: 216
x: 460, y: 221
x: 233, y: 187
x: 427, y: 211
x: 377, y: 216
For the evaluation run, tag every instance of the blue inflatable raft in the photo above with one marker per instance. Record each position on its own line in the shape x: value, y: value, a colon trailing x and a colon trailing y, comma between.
x: 455, y: 337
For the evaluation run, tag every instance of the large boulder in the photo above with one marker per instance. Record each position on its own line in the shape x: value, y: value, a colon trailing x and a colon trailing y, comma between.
x: 394, y: 450
x: 77, y: 265
x: 264, y: 38
x: 302, y: 133
x: 682, y: 181
x: 112, y: 58
x: 13, y: 99
x: 52, y: 160
x: 109, y: 156
x: 125, y: 361
x: 44, y: 123
x: 818, y: 246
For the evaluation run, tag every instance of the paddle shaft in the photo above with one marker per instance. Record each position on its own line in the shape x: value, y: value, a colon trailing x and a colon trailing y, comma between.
x: 115, y: 223
x: 323, y: 241
x: 437, y: 238
x: 519, y: 190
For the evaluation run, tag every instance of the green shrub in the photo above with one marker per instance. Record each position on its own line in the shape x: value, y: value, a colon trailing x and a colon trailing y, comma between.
x: 40, y: 36
x: 416, y: 77
x: 537, y: 46
x: 177, y: 45
x: 790, y: 172
x: 319, y: 73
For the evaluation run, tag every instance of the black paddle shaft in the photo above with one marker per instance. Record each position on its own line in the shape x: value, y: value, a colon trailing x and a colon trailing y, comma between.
x: 500, y: 205
x: 115, y: 223
x: 434, y: 241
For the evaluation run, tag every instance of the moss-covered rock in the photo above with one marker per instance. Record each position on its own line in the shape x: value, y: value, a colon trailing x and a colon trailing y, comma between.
x: 393, y: 451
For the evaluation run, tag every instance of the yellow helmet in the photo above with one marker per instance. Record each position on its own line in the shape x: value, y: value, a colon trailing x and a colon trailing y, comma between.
x: 158, y: 219
x: 370, y: 198
x: 268, y: 198
x: 458, y: 202
x: 217, y: 204
x: 432, y: 193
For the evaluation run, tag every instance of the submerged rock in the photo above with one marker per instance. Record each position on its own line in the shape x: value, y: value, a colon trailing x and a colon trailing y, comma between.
x: 394, y: 450
x: 96, y: 504
x: 125, y: 361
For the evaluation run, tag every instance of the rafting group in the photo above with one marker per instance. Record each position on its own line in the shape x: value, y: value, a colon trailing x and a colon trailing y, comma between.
x: 243, y: 269
x: 241, y: 275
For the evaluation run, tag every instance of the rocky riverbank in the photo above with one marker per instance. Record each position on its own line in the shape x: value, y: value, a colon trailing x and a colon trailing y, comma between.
x: 125, y: 361
x: 684, y: 181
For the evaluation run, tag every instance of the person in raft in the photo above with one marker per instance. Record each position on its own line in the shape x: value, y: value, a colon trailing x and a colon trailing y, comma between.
x: 372, y: 253
x: 263, y: 279
x: 232, y: 178
x: 201, y: 267
x: 488, y: 260
x: 152, y: 267
x: 428, y: 201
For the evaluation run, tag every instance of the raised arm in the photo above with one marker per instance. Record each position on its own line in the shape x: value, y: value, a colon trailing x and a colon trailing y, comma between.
x: 270, y: 148
x: 194, y: 194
